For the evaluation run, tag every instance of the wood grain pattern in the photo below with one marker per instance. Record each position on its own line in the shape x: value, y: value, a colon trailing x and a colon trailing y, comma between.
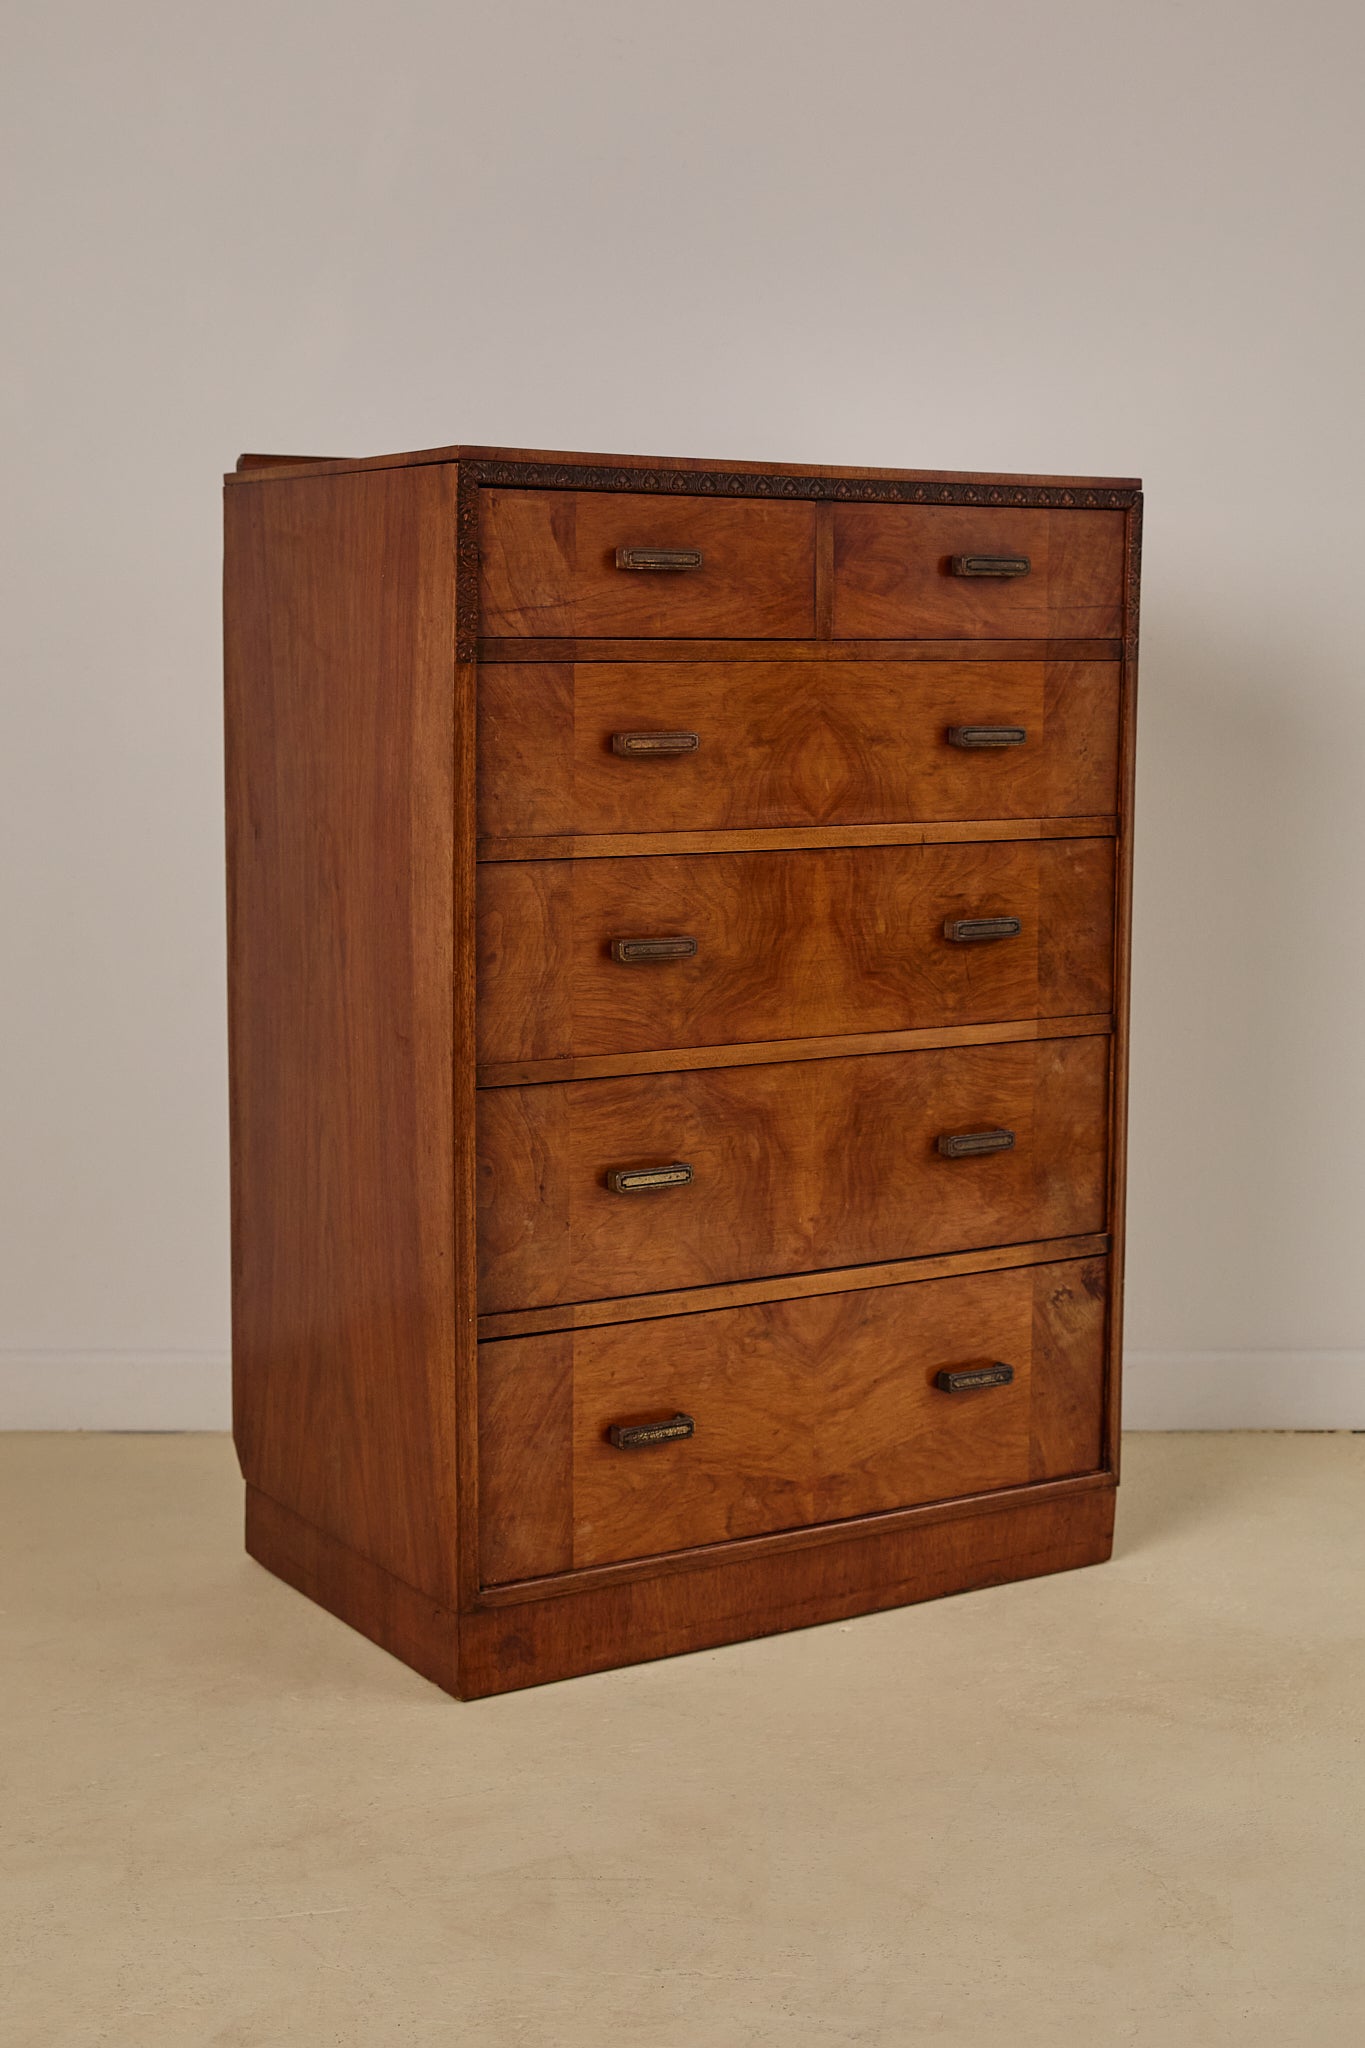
x: 797, y: 1168
x: 763, y: 1051
x: 891, y: 572
x: 340, y: 744
x: 689, y: 1602
x: 548, y: 565
x: 824, y: 571
x: 789, y: 838
x: 659, y: 471
x: 1070, y: 1338
x: 526, y: 1453
x: 788, y: 944
x: 352, y: 595
x: 793, y: 744
x: 1123, y: 923
x: 719, y: 1596
x: 635, y: 1308
x: 781, y: 1543
x: 464, y: 1274
x: 552, y: 649
x: 806, y: 1411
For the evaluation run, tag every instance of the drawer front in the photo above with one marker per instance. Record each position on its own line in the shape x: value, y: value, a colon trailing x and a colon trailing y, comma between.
x: 791, y: 743
x: 894, y: 573
x: 794, y: 1167
x: 803, y: 1412
x: 551, y: 564
x: 787, y: 945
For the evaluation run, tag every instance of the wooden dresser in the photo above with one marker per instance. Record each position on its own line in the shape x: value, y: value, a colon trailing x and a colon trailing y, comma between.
x: 678, y: 965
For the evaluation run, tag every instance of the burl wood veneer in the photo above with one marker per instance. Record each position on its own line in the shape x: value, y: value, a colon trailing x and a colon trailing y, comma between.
x: 678, y: 945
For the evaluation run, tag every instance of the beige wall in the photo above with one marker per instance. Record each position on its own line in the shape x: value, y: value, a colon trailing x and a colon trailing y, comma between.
x: 1059, y: 235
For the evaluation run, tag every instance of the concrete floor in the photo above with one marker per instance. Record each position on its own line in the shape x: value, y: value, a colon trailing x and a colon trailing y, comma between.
x: 1120, y: 1806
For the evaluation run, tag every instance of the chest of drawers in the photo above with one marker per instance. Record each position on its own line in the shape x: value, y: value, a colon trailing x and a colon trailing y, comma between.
x: 678, y: 960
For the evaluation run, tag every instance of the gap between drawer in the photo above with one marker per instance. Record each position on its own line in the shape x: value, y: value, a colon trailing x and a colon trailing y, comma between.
x: 634, y: 1308
x: 784, y: 839
x: 777, y: 1051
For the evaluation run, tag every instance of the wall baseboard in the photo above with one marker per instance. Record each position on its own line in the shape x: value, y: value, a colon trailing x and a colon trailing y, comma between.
x: 173, y: 1390
x: 135, y: 1390
x: 1244, y: 1390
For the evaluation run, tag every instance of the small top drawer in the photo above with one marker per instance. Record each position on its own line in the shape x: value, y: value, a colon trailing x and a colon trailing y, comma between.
x: 966, y: 572
x: 632, y: 565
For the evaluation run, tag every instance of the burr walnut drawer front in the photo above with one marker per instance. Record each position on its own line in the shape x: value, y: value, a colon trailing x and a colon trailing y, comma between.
x: 633, y: 565
x: 635, y: 1438
x: 589, y: 1189
x: 702, y: 746
x: 643, y: 952
x: 950, y: 572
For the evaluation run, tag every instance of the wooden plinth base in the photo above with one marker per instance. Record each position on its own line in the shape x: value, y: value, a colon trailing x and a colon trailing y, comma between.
x: 500, y: 1648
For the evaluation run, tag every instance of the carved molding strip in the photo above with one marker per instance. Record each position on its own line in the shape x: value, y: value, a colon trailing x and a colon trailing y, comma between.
x: 466, y: 564
x: 1134, y: 580
x: 724, y: 483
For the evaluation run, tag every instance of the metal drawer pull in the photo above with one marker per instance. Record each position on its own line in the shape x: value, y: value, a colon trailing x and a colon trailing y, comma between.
x: 979, y: 1376
x: 642, y: 1180
x: 637, y: 1436
x: 645, y: 745
x: 987, y: 565
x: 972, y: 1144
x: 973, y: 931
x: 661, y: 558
x: 987, y: 735
x: 630, y: 950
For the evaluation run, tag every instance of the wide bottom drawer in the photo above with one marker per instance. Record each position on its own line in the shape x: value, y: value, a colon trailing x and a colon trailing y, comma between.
x: 801, y: 1412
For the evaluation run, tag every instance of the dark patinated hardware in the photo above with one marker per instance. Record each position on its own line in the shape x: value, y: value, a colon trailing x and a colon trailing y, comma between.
x: 972, y: 1144
x: 979, y: 1376
x: 646, y: 745
x: 989, y: 565
x: 643, y: 1180
x: 974, y: 931
x: 987, y: 735
x: 637, y: 1436
x: 660, y: 558
x: 630, y: 951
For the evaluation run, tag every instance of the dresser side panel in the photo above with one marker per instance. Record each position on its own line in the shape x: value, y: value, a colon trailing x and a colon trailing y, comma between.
x: 342, y: 742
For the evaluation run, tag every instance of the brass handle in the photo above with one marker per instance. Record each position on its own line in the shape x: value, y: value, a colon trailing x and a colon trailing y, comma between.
x: 987, y: 735
x: 629, y: 951
x: 972, y: 1144
x: 645, y: 745
x: 989, y: 565
x: 658, y: 558
x: 979, y: 1376
x: 643, y: 1180
x: 974, y: 931
x: 637, y: 1436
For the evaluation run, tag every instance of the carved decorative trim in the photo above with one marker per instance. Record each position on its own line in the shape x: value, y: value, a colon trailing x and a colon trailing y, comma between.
x: 1133, y: 582
x: 724, y: 483
x: 466, y: 563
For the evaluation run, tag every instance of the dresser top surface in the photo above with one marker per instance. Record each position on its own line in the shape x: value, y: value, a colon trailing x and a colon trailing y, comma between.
x: 253, y: 468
